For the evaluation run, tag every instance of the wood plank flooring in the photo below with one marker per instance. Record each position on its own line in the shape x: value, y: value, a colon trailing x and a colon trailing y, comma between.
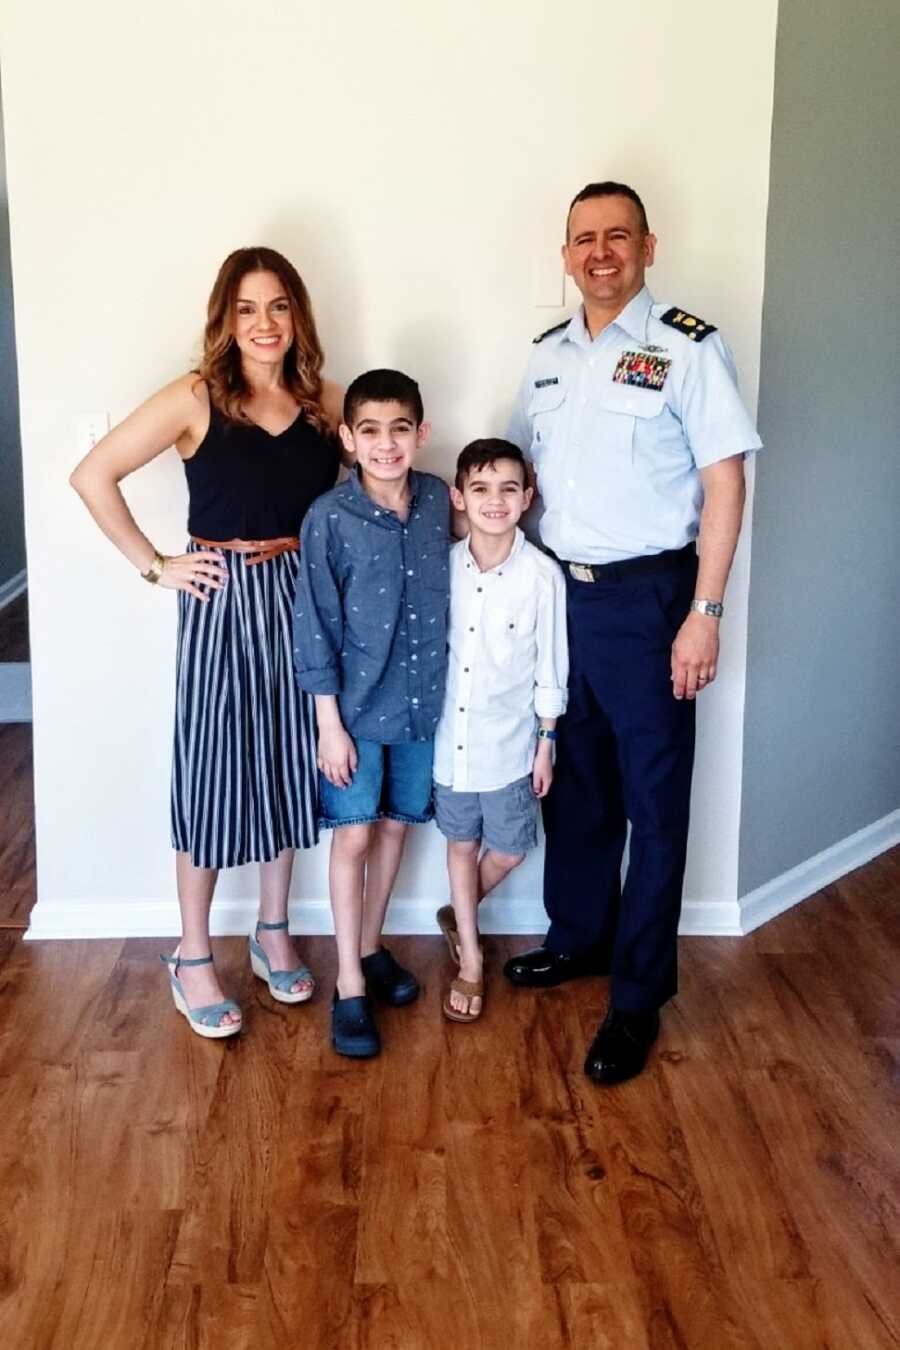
x: 17, y: 890
x: 17, y: 864
x: 470, y: 1188
x: 14, y: 645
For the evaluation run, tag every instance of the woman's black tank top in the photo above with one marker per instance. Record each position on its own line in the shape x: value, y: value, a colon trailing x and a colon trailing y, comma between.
x: 245, y: 484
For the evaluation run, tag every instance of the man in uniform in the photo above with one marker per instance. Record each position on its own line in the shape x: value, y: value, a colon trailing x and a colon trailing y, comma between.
x: 631, y: 416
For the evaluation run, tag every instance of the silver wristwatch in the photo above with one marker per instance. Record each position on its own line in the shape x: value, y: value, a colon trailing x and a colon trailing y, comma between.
x: 711, y: 607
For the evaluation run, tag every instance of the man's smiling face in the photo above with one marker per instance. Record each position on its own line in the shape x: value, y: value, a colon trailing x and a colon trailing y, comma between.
x: 607, y: 252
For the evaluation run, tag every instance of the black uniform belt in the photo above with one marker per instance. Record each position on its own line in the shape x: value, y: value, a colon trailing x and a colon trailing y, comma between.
x: 667, y: 561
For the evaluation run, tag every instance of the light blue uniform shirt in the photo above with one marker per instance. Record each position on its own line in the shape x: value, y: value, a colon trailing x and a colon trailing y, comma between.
x: 617, y: 459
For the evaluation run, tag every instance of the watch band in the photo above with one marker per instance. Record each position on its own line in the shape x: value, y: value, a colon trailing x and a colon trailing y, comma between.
x: 545, y: 734
x: 711, y: 607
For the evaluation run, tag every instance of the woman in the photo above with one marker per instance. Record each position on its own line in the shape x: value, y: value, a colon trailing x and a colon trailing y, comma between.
x: 255, y: 429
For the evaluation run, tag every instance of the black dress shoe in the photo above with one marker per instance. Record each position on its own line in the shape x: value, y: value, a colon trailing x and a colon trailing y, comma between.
x: 540, y: 968
x: 620, y: 1048
x: 387, y: 980
x: 353, y: 1029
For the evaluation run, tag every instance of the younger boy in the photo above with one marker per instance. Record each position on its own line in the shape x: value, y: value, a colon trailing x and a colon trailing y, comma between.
x: 370, y: 635
x: 506, y: 686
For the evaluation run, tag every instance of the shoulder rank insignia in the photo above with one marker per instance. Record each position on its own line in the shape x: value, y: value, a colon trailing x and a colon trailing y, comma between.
x: 555, y: 329
x: 691, y: 327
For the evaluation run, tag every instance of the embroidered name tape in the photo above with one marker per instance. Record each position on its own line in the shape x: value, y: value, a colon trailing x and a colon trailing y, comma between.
x: 642, y: 369
x: 542, y: 384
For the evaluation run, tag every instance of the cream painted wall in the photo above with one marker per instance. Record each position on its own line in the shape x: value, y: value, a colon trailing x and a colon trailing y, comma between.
x: 415, y: 161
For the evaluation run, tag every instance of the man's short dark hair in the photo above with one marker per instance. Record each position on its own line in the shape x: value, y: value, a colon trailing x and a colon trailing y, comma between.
x: 608, y: 189
x: 478, y: 454
x: 383, y: 386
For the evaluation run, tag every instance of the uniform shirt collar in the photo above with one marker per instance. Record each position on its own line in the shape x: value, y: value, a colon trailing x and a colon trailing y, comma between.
x: 472, y: 565
x: 632, y: 320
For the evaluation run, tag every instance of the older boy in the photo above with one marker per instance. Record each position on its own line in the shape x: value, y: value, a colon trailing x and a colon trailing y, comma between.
x: 370, y: 644
x: 506, y: 686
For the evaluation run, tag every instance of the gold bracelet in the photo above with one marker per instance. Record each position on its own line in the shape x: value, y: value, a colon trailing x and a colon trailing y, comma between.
x: 155, y: 570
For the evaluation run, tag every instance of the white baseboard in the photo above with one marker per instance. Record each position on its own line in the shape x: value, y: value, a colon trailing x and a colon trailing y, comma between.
x: 767, y: 902
x: 15, y: 691
x: 159, y: 918
x: 12, y: 589
x: 724, y: 918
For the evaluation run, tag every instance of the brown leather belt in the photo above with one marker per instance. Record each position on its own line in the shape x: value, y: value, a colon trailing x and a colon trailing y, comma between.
x: 255, y: 550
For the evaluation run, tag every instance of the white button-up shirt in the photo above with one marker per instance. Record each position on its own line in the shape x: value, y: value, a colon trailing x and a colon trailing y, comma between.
x: 617, y: 450
x: 508, y: 667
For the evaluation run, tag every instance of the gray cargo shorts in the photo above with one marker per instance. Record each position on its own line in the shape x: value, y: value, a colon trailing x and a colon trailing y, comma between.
x: 506, y: 819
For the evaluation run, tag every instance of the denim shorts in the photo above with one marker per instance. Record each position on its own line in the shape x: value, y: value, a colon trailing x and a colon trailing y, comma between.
x: 506, y: 819
x: 390, y: 780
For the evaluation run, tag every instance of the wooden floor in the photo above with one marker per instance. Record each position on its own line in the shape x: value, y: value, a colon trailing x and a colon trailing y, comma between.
x: 16, y: 787
x: 470, y: 1188
x: 14, y: 644
x: 17, y: 874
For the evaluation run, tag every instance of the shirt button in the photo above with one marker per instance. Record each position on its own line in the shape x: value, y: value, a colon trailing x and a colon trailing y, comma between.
x: 462, y: 710
x: 412, y: 616
x: 415, y: 700
x: 459, y: 747
x: 410, y: 572
x: 465, y: 670
x: 471, y: 630
x: 415, y: 656
x: 480, y: 589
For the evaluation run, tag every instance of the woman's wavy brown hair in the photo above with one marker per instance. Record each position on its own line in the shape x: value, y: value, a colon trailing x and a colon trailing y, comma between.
x: 220, y: 364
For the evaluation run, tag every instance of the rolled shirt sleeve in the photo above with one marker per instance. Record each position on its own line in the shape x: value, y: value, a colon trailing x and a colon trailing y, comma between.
x: 318, y: 616
x: 552, y: 664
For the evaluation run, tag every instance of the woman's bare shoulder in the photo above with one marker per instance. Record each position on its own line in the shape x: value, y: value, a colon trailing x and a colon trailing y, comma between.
x: 191, y: 392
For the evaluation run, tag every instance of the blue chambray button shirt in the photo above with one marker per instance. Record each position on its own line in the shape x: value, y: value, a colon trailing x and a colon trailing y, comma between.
x: 370, y: 613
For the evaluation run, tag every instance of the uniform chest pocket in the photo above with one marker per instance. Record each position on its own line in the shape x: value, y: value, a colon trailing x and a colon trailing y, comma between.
x: 632, y: 401
x: 546, y: 413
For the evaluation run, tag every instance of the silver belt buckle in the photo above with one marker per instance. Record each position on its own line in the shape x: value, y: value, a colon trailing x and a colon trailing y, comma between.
x: 581, y: 571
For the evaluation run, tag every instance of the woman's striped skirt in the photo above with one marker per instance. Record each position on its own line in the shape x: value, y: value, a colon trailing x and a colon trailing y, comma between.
x: 244, y: 770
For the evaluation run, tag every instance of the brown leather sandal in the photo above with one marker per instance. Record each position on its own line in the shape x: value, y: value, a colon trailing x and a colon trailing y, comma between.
x: 446, y: 921
x: 470, y: 990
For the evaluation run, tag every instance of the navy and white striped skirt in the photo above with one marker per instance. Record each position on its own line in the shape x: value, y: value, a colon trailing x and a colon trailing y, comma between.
x: 244, y: 781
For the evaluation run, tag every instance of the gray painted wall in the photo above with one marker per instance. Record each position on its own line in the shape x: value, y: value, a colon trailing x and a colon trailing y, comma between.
x: 822, y: 719
x: 12, y: 512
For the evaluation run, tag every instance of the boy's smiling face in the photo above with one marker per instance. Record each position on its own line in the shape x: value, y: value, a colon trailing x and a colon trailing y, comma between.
x: 384, y: 437
x: 493, y: 496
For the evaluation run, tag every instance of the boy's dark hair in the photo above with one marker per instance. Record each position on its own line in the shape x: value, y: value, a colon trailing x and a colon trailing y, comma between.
x: 608, y: 189
x: 383, y: 386
x: 477, y: 454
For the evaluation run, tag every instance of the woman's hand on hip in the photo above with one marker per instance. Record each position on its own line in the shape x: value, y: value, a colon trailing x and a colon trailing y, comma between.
x: 189, y: 571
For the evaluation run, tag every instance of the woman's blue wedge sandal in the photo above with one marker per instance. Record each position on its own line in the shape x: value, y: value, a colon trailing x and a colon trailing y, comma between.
x: 205, y: 1021
x: 279, y: 981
